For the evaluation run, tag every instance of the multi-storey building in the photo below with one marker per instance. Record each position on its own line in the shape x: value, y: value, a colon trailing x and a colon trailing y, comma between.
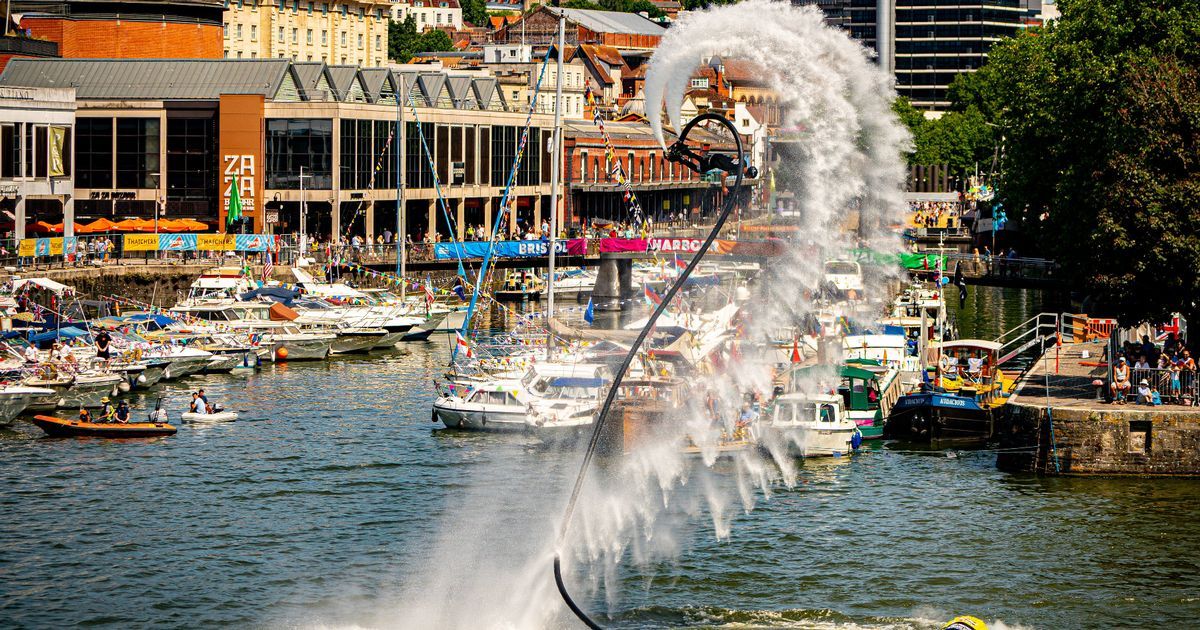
x: 926, y: 43
x: 37, y: 126
x: 271, y: 125
x: 353, y: 32
x: 519, y: 70
x: 430, y: 13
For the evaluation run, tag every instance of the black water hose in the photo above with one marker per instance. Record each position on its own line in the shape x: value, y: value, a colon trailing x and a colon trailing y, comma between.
x: 680, y: 153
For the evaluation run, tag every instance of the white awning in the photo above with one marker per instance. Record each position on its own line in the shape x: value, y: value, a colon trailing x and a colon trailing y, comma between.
x: 46, y: 283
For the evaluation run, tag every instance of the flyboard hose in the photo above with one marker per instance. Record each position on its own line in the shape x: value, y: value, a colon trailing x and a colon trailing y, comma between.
x: 681, y: 154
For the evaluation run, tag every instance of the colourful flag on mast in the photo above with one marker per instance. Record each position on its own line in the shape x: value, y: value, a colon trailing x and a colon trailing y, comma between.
x: 234, y: 213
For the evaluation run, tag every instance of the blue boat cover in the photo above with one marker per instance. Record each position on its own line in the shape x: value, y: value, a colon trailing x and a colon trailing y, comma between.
x: 575, y: 381
x: 69, y: 332
x: 279, y: 294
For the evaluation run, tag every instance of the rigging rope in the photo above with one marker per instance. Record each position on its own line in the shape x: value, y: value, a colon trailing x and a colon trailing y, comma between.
x: 512, y: 178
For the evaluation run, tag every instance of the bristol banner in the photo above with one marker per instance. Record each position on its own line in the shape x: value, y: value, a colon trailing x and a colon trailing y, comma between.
x: 503, y: 249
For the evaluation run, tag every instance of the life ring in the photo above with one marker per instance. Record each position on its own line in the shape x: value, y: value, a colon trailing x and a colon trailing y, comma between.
x: 944, y: 364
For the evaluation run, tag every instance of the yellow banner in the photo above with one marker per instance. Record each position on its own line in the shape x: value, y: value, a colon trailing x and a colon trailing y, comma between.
x: 57, y: 140
x: 56, y: 246
x: 141, y: 242
x: 27, y: 248
x: 216, y: 242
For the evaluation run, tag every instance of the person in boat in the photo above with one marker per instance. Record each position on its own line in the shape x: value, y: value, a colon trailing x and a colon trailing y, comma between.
x: 1120, y: 384
x: 198, y: 406
x: 103, y: 345
x: 31, y: 355
x: 106, y: 410
x: 209, y: 407
x: 85, y: 415
x: 122, y: 413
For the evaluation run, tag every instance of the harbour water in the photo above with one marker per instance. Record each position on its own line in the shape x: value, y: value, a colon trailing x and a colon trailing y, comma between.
x: 334, y: 502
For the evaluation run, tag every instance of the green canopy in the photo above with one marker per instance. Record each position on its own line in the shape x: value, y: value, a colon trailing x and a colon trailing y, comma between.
x: 908, y: 261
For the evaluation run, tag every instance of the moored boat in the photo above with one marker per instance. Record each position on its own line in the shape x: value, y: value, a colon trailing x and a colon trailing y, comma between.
x: 811, y: 425
x: 15, y: 399
x: 209, y: 418
x: 61, y: 427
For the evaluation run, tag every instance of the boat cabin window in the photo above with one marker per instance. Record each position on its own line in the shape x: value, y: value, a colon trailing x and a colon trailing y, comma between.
x: 841, y: 268
x: 828, y: 413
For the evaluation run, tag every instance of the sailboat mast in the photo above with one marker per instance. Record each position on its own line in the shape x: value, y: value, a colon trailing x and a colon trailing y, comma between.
x: 555, y: 173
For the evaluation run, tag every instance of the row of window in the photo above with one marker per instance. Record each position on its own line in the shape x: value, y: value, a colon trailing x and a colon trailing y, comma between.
x: 323, y: 7
x: 45, y: 153
x: 462, y: 155
x: 638, y: 169
x: 308, y: 36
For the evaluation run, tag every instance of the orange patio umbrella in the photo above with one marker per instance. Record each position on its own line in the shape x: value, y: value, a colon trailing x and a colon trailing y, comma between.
x: 193, y: 225
x: 97, y: 226
x: 134, y: 225
x: 168, y: 225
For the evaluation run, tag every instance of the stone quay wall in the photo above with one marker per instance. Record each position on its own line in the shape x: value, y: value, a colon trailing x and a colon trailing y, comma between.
x: 1118, y: 440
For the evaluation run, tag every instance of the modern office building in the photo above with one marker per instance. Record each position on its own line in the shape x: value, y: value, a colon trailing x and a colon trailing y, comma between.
x: 926, y: 43
x: 112, y: 29
x: 290, y: 135
x: 344, y: 32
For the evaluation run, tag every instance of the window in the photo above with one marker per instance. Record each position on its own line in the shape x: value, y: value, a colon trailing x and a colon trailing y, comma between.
x: 308, y: 37
x: 360, y: 41
x: 700, y: 83
x: 93, y: 153
x: 310, y: 8
x: 239, y: 31
x: 299, y: 142
x: 378, y: 42
x: 295, y: 36
x: 438, y: 16
x: 239, y: 54
x: 324, y: 8
x: 9, y: 151
x: 345, y: 10
x: 362, y: 12
x: 583, y: 164
x: 343, y: 43
x: 253, y: 54
x: 137, y: 152
x: 416, y: 167
x: 225, y: 30
x: 226, y: 53
x: 324, y: 37
x: 192, y: 160
x: 253, y: 32
x: 280, y: 34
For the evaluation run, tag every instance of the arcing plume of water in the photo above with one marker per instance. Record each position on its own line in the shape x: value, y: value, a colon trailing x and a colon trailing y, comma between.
x: 843, y: 159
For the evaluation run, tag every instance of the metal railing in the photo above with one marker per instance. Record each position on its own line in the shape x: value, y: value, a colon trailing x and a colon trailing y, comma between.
x: 1170, y: 386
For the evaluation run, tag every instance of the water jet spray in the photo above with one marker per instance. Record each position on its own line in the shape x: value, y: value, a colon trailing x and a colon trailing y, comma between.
x: 701, y: 163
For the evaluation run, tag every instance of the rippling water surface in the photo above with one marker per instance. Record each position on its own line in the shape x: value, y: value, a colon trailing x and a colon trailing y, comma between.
x: 335, y: 503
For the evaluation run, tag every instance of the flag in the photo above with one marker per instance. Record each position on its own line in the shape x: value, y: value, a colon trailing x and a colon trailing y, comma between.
x: 652, y: 298
x: 268, y: 267
x: 680, y: 264
x: 460, y: 292
x: 429, y: 295
x: 463, y: 345
x: 796, y: 357
x: 589, y: 315
x: 234, y: 213
x: 58, y: 137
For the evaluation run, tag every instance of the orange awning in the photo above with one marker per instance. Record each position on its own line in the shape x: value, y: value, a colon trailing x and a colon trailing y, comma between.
x: 97, y: 226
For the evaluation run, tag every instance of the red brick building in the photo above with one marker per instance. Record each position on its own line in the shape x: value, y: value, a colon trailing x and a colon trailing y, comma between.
x: 663, y: 188
x: 182, y: 29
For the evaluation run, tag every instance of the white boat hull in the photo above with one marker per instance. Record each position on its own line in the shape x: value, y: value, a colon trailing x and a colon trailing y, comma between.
x: 457, y: 415
x: 87, y: 392
x: 804, y: 441
x: 354, y: 342
x: 210, y: 418
x: 185, y: 366
x: 303, y: 349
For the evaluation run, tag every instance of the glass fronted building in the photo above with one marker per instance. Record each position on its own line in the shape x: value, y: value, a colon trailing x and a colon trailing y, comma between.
x: 340, y: 141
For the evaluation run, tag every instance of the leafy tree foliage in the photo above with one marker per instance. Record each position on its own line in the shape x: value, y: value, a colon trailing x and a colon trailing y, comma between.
x: 964, y: 140
x: 474, y: 11
x: 404, y: 41
x: 1100, y: 118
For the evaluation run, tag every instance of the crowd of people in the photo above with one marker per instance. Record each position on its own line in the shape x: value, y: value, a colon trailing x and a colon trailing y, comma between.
x: 1154, y: 375
x: 930, y: 213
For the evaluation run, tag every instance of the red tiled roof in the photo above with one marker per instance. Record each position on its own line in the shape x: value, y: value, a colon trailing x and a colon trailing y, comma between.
x: 742, y: 71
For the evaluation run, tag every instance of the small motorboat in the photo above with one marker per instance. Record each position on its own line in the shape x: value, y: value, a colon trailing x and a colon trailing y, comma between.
x: 62, y: 427
x: 210, y: 418
x: 520, y: 286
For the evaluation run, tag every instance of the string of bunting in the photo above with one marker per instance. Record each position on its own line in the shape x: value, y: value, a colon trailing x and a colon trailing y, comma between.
x: 613, y: 166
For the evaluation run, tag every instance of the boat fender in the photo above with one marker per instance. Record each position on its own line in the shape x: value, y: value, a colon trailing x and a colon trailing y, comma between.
x: 944, y: 364
x: 856, y: 439
x: 433, y: 416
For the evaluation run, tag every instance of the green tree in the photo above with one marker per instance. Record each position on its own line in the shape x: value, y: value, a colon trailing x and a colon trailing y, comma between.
x: 582, y: 4
x: 1100, y: 116
x: 404, y: 41
x: 474, y: 11
x: 963, y: 140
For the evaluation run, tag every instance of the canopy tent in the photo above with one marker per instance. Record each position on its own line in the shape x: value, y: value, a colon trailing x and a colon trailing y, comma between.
x: 134, y: 225
x: 45, y: 283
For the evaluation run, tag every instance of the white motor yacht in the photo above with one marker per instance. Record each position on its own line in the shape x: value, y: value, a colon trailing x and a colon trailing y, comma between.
x: 504, y: 404
x: 809, y: 426
x: 15, y: 399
